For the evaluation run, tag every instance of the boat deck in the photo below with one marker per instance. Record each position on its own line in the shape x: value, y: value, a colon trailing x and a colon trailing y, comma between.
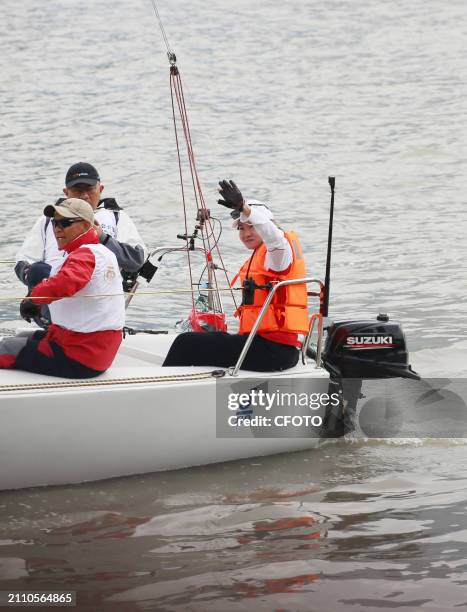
x: 138, y: 361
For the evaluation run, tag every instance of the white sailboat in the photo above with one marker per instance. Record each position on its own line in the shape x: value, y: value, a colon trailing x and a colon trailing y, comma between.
x: 141, y: 417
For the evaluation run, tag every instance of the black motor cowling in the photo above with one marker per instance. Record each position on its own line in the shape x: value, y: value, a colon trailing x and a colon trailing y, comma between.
x: 367, y: 349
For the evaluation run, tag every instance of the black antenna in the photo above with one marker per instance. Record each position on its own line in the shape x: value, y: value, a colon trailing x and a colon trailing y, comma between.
x: 327, y: 279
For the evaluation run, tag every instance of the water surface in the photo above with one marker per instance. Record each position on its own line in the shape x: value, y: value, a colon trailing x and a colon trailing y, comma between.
x: 280, y: 96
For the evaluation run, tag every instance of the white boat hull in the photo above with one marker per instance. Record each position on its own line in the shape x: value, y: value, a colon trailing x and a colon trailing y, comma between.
x: 132, y: 420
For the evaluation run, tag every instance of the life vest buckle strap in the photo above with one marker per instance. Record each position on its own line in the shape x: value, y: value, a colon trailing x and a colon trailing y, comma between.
x: 248, y: 290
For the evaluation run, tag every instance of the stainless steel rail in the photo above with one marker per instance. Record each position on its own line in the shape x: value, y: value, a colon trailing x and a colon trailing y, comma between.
x: 156, y: 251
x: 233, y: 371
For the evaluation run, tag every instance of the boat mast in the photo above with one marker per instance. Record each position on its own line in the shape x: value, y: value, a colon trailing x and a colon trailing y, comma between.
x: 204, y: 228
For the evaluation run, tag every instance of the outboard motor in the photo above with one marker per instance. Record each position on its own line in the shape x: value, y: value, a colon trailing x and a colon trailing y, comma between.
x: 367, y: 349
x: 360, y: 350
x: 357, y: 350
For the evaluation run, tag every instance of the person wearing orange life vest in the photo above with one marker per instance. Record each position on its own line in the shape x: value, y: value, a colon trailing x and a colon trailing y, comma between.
x: 84, y: 336
x: 276, y: 256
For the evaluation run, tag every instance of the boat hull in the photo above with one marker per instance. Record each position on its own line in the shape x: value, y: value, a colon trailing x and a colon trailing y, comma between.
x: 125, y: 423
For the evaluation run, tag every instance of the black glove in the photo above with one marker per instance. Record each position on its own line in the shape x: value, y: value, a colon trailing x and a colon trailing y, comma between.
x: 28, y: 310
x: 26, y: 274
x: 232, y: 197
x: 22, y: 271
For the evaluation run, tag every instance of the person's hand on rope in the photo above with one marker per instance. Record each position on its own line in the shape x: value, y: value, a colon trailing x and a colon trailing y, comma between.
x: 233, y: 198
x: 28, y: 310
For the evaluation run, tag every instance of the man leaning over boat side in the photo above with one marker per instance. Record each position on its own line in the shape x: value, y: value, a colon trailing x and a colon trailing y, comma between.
x: 276, y: 256
x: 85, y: 333
x: 115, y: 229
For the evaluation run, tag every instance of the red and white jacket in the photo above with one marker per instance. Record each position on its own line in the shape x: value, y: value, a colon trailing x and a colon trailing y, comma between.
x: 89, y: 329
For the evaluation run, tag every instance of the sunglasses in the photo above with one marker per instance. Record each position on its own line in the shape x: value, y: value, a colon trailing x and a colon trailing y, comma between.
x: 64, y: 223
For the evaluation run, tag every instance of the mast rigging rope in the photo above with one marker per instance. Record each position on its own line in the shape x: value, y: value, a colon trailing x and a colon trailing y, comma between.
x: 204, y: 224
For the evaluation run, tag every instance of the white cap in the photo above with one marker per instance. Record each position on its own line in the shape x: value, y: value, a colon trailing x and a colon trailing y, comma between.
x: 262, y: 208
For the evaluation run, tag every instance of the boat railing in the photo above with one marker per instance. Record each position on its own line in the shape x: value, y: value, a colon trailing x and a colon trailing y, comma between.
x: 315, y: 318
x: 161, y: 251
x: 173, y: 249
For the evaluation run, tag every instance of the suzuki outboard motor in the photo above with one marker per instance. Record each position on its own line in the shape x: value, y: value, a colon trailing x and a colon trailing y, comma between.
x: 359, y: 350
x: 367, y: 349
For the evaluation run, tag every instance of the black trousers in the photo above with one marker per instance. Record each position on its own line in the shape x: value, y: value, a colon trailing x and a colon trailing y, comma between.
x: 31, y: 360
x: 220, y: 349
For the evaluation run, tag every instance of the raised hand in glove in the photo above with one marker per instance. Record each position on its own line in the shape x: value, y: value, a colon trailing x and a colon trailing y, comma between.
x: 232, y: 197
x: 28, y: 310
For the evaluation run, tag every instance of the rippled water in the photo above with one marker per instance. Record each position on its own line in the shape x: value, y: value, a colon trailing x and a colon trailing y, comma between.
x: 352, y: 525
x: 280, y: 96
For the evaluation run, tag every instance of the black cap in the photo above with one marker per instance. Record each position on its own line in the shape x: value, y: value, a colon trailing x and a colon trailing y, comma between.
x: 81, y: 172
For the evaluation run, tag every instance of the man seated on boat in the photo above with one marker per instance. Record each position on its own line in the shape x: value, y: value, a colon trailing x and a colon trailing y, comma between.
x: 115, y: 229
x: 277, y: 256
x: 86, y: 301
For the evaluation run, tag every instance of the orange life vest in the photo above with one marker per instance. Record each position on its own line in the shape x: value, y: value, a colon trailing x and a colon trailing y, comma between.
x: 288, y: 311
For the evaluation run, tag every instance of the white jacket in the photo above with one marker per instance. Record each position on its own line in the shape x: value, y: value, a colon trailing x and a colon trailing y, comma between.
x: 82, y: 314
